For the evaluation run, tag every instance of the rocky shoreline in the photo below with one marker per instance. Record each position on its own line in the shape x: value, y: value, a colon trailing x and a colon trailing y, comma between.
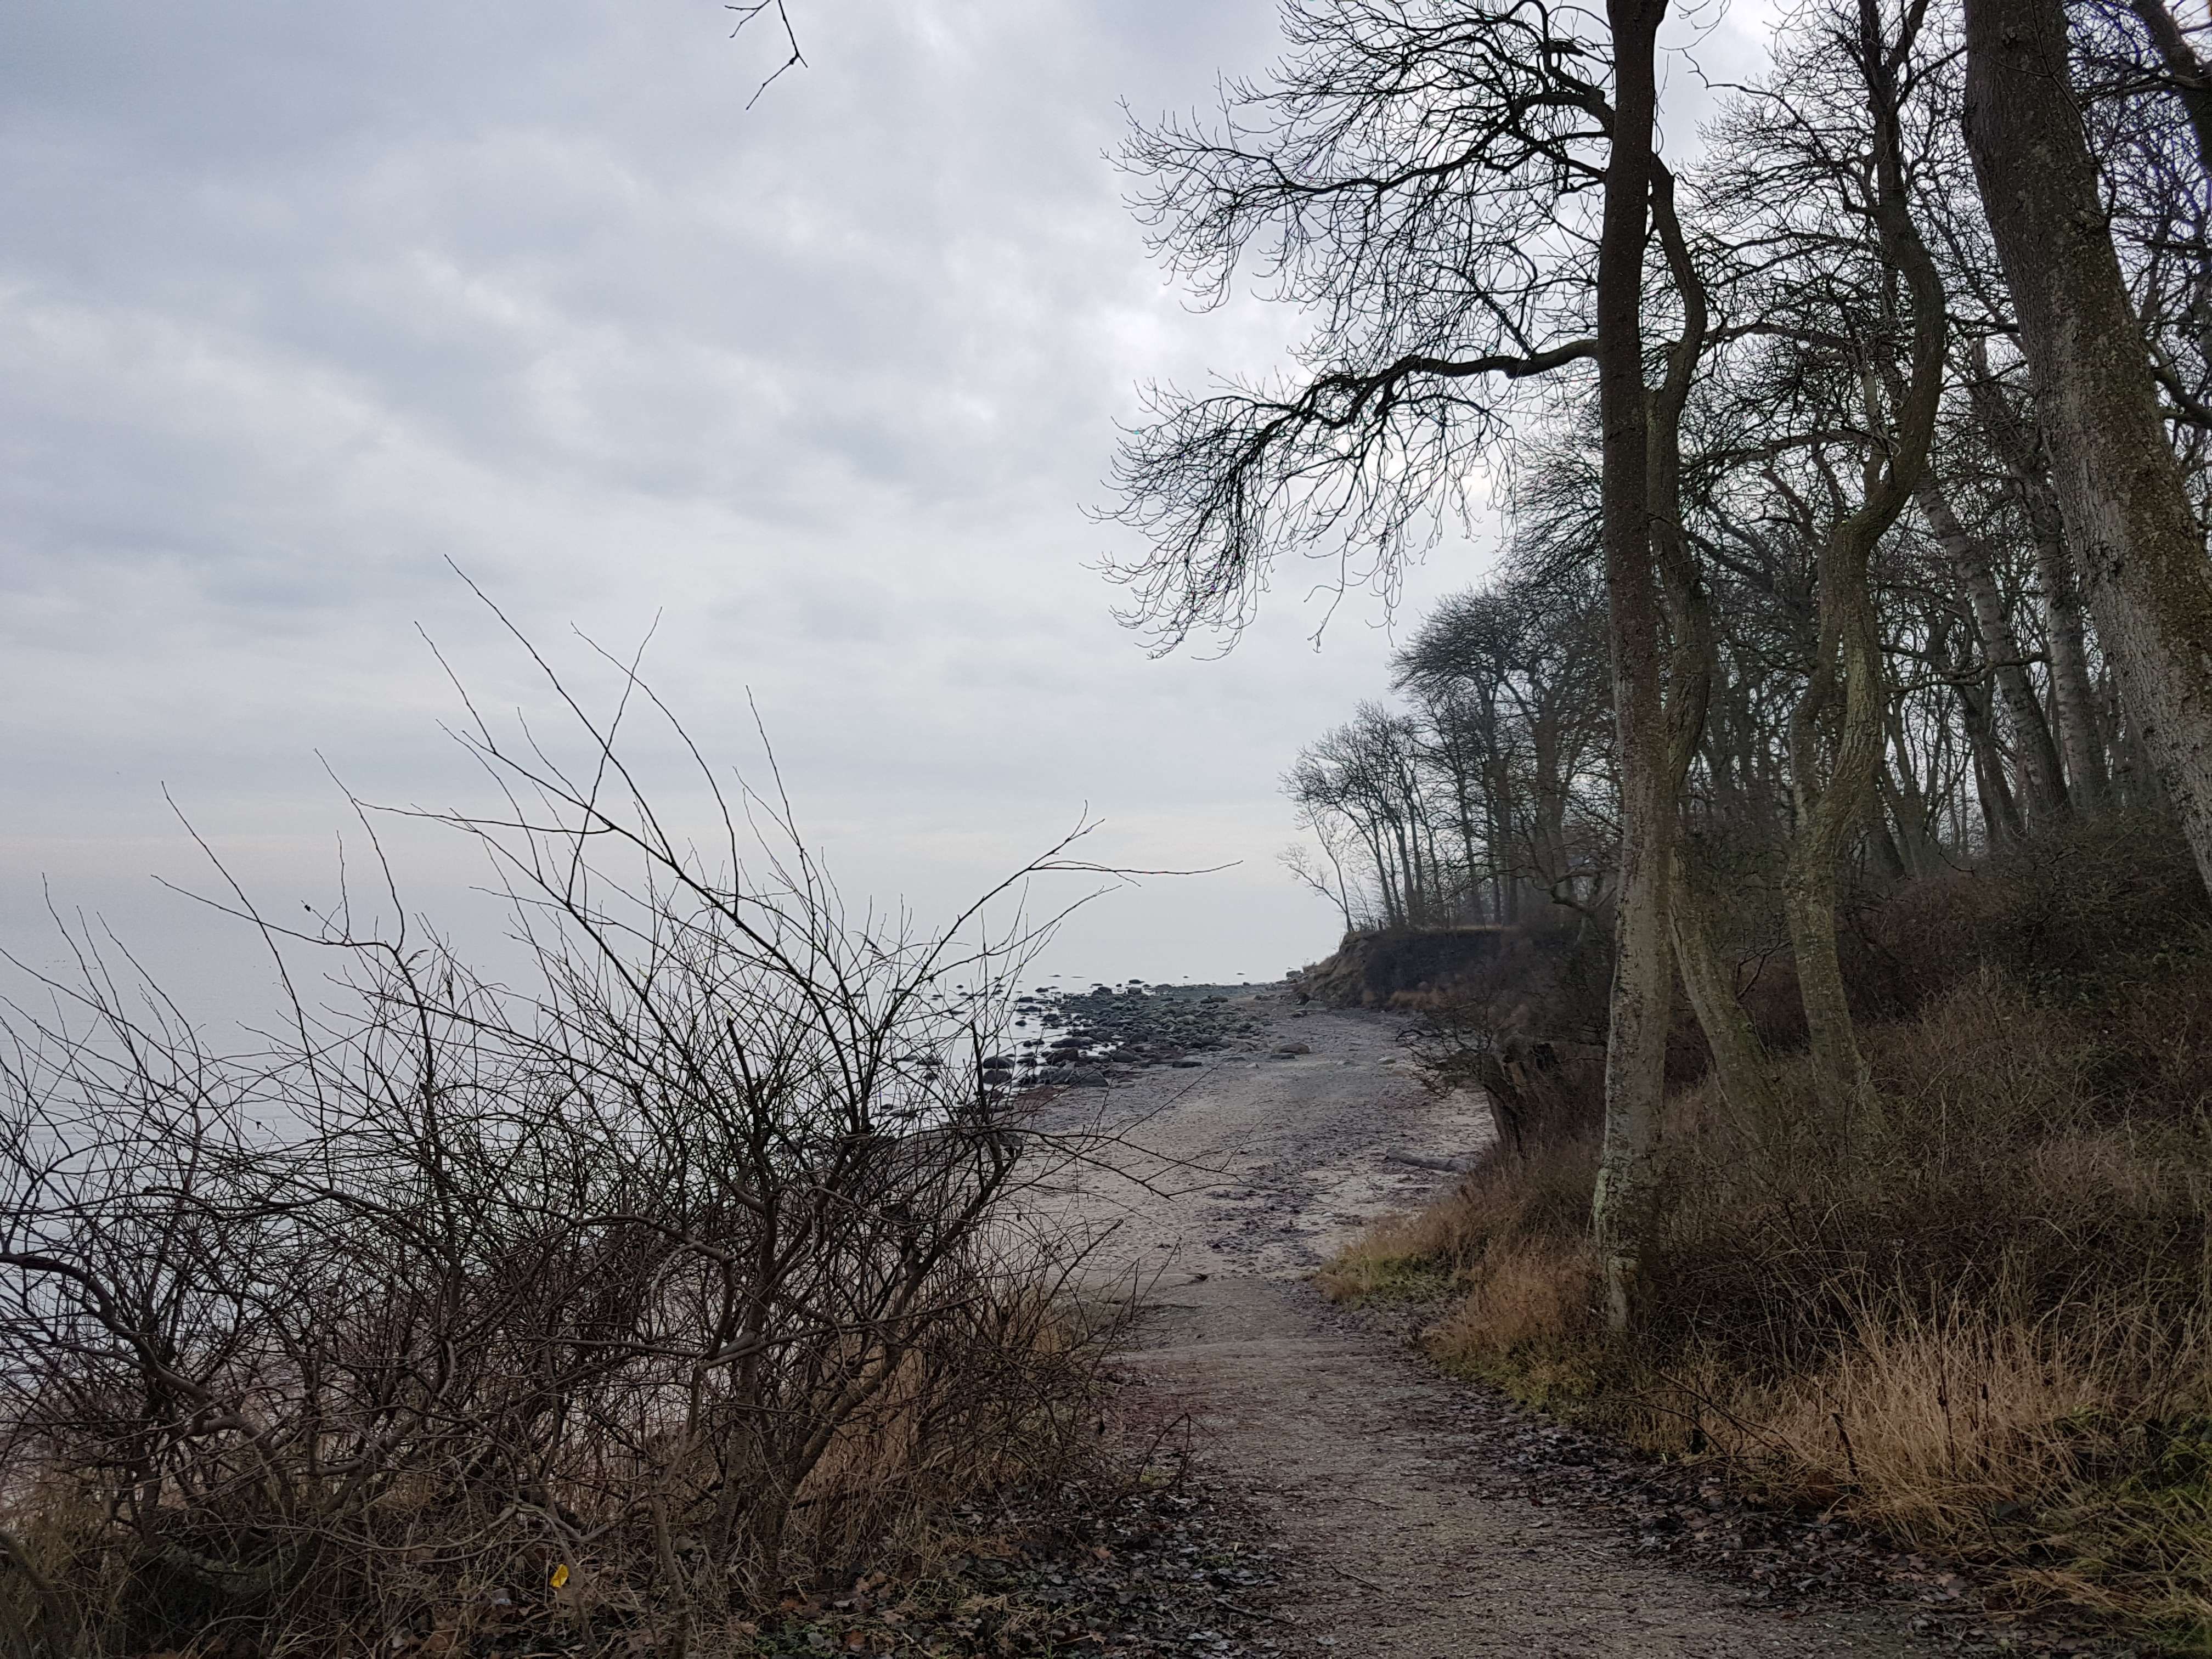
x: 1109, y: 1034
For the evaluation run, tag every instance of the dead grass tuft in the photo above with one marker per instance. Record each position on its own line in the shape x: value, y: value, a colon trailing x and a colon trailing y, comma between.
x: 1395, y: 1259
x: 1986, y: 1330
x: 1527, y: 1322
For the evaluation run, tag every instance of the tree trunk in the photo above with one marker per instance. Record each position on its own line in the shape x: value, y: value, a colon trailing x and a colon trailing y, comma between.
x: 1886, y: 850
x: 1838, y: 735
x: 2135, y: 777
x: 1470, y: 894
x: 1548, y: 830
x: 1643, y: 967
x: 1742, y: 1067
x: 2182, y: 66
x: 1741, y: 1064
x: 1908, y: 806
x: 2042, y: 776
x: 2074, y: 701
x: 2000, y: 816
x: 1384, y: 879
x: 2121, y: 490
x: 1838, y: 730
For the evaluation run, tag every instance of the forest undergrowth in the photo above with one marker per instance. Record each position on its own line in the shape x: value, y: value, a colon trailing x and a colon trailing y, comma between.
x: 1979, y: 1318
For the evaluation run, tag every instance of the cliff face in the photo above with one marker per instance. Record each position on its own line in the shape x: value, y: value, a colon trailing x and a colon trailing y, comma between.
x: 1402, y: 968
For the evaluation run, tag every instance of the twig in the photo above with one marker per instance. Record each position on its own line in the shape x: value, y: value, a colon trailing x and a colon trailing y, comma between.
x: 745, y: 14
x: 1252, y: 1612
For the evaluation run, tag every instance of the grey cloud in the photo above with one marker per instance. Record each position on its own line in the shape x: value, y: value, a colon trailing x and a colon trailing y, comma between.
x: 298, y: 302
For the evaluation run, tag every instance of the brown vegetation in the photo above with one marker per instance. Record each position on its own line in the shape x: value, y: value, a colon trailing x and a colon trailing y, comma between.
x: 1404, y: 968
x: 596, y: 1307
x: 1982, y: 1326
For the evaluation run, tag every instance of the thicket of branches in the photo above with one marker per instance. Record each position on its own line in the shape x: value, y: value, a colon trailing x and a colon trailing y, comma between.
x: 1855, y: 470
x: 1490, y: 795
x: 603, y: 1298
x: 1488, y: 792
x: 1494, y: 785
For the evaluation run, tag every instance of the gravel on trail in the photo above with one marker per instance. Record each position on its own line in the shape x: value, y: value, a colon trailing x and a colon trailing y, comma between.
x: 1400, y: 1512
x: 1145, y: 1558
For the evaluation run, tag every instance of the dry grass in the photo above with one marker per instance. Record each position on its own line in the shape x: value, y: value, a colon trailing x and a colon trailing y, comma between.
x: 1508, y: 1244
x: 1986, y: 1331
x: 1937, y: 1425
x: 1526, y: 1321
x: 1397, y: 1257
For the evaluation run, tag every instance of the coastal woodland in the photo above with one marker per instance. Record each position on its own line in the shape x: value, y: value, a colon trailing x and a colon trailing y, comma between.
x: 1795, y: 831
x: 1817, y: 779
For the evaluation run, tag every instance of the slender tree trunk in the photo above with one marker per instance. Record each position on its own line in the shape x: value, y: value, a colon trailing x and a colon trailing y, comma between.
x: 1836, y: 738
x: 1894, y: 857
x: 1742, y: 1065
x: 2042, y: 776
x: 1341, y: 893
x: 1498, y: 839
x: 2139, y: 785
x: 1643, y: 967
x: 2074, y: 701
x: 1548, y: 830
x: 1385, y: 881
x: 2184, y: 68
x: 1832, y: 813
x: 1838, y: 730
x: 2000, y: 814
x: 1409, y: 870
x: 1463, y: 803
x: 1908, y: 806
x: 2126, y: 506
x: 1885, y: 851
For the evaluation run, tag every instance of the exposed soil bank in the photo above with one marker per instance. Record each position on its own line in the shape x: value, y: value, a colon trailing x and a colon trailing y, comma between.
x: 1403, y: 968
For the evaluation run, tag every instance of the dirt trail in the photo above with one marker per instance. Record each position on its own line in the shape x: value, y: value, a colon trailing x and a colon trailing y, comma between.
x: 1368, y: 1464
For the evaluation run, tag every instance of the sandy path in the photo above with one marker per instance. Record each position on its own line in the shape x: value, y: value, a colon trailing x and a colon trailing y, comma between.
x: 1366, y: 1462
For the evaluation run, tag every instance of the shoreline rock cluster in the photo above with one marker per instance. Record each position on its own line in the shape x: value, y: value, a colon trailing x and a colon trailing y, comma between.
x: 1108, y: 1034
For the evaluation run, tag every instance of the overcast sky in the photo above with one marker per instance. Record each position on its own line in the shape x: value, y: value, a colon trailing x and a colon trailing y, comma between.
x: 299, y: 302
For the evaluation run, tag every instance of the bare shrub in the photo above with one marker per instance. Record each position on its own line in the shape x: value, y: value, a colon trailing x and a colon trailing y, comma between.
x: 1525, y: 1030
x: 611, y: 1298
x: 2093, y: 910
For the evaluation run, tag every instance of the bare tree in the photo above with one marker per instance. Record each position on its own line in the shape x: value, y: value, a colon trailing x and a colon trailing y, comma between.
x: 2129, y: 516
x: 1422, y: 175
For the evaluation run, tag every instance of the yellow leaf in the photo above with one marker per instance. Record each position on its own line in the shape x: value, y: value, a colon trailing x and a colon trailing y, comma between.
x: 560, y: 1575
